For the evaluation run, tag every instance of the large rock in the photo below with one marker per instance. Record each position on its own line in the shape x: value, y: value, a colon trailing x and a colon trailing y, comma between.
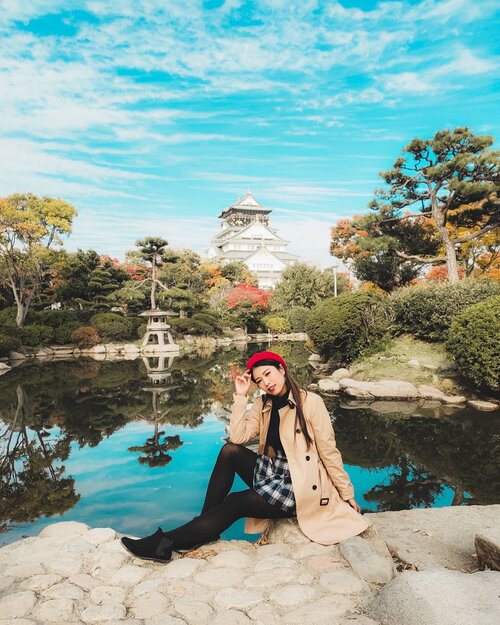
x: 479, y: 404
x: 436, y: 537
x: 488, y: 549
x: 454, y: 399
x: 390, y: 407
x: 366, y: 562
x: 429, y: 392
x: 439, y: 597
x: 285, y: 531
x: 384, y: 389
x: 327, y: 385
x: 314, y: 358
x: 341, y: 373
x: 64, y: 528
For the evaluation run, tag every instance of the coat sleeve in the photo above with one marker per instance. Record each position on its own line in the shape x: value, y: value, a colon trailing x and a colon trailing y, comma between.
x: 244, y: 425
x: 324, y: 437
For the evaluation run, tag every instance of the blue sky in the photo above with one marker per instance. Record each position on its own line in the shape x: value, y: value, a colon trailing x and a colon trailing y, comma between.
x: 151, y: 116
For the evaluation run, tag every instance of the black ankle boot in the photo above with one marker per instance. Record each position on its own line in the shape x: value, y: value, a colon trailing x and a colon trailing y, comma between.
x: 156, y: 547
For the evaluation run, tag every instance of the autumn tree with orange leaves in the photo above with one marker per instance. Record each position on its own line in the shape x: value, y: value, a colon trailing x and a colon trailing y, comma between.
x: 440, y: 206
x: 371, y: 246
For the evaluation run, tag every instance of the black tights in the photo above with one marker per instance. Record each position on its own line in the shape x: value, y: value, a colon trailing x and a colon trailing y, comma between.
x: 221, y: 508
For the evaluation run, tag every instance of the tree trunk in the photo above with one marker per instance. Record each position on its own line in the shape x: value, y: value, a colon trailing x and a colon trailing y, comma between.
x: 451, y: 255
x: 22, y: 311
x: 153, y: 284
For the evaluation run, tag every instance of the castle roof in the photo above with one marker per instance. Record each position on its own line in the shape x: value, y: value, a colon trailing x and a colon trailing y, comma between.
x: 246, y: 203
x: 260, y: 231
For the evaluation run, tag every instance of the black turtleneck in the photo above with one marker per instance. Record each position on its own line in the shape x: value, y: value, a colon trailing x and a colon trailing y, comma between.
x: 273, y: 434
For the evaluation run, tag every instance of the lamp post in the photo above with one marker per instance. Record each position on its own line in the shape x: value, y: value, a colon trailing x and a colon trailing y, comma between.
x: 335, y: 266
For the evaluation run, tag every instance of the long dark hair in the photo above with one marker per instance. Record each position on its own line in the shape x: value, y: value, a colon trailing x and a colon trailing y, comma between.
x: 296, y: 390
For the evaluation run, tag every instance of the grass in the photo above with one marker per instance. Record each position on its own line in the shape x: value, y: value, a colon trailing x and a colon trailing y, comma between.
x: 392, y: 363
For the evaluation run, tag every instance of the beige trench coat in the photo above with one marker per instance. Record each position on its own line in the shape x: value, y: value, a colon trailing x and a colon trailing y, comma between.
x: 320, y: 483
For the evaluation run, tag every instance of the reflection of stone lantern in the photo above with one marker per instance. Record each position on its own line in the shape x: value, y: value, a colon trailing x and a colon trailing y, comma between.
x: 155, y: 450
x: 158, y: 337
x: 157, y: 369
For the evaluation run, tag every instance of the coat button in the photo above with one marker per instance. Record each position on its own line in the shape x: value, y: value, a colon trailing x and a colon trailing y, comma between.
x: 308, y: 457
x: 298, y: 430
x: 315, y: 487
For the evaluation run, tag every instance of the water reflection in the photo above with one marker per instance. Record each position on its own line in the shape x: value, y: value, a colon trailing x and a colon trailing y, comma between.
x: 31, y: 484
x: 143, y: 411
x: 161, y: 386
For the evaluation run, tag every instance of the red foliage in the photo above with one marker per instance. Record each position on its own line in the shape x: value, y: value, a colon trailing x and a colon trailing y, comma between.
x: 136, y: 272
x: 440, y: 274
x: 247, y: 294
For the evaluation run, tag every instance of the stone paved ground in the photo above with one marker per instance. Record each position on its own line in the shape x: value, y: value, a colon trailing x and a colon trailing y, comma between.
x: 73, y: 574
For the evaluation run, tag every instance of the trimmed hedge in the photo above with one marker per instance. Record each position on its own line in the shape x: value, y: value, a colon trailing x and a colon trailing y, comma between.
x: 113, y: 327
x: 297, y: 316
x: 276, y: 324
x: 8, y: 343
x: 427, y: 311
x: 474, y: 342
x: 64, y: 334
x: 209, y: 318
x: 347, y: 325
x: 191, y: 326
x: 36, y: 334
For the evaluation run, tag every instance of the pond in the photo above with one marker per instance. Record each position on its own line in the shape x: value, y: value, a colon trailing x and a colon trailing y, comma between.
x: 131, y: 444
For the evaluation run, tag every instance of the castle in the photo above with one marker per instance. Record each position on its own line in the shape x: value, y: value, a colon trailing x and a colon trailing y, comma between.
x: 246, y: 236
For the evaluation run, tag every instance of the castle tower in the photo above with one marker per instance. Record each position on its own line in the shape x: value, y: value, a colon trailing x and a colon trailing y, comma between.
x: 247, y: 236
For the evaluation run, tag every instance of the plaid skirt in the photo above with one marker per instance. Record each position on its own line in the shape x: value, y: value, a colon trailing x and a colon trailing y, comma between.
x: 272, y: 480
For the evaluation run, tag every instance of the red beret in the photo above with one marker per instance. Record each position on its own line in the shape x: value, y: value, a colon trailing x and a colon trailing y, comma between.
x: 260, y: 356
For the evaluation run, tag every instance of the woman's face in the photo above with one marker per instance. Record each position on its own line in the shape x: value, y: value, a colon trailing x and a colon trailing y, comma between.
x: 270, y: 379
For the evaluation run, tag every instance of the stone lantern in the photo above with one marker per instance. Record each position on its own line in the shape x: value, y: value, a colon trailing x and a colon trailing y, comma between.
x: 158, y: 338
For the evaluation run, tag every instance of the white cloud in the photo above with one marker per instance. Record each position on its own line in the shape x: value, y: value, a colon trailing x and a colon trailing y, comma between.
x: 430, y: 80
x: 29, y: 166
x: 92, y: 227
x: 410, y: 82
x: 309, y: 235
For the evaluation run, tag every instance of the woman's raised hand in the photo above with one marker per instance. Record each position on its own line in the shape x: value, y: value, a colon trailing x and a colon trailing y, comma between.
x: 242, y: 384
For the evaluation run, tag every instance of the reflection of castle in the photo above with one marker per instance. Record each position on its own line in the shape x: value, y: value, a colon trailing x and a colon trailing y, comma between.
x: 246, y: 236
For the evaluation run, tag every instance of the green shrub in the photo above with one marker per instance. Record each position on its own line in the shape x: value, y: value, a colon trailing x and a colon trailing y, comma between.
x: 210, y: 319
x: 85, y: 337
x: 297, y: 316
x: 8, y: 318
x: 64, y: 334
x: 112, y: 327
x: 56, y: 317
x: 8, y: 342
x: 427, y: 311
x: 474, y: 342
x: 276, y: 324
x: 36, y: 334
x: 141, y: 330
x: 191, y: 326
x: 344, y: 326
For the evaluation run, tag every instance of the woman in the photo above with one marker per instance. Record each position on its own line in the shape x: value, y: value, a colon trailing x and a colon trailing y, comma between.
x: 297, y: 471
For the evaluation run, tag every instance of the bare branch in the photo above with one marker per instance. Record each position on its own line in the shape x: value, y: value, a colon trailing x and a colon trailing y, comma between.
x: 51, y: 237
x: 139, y: 284
x: 421, y: 259
x: 475, y: 235
x: 407, y: 216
